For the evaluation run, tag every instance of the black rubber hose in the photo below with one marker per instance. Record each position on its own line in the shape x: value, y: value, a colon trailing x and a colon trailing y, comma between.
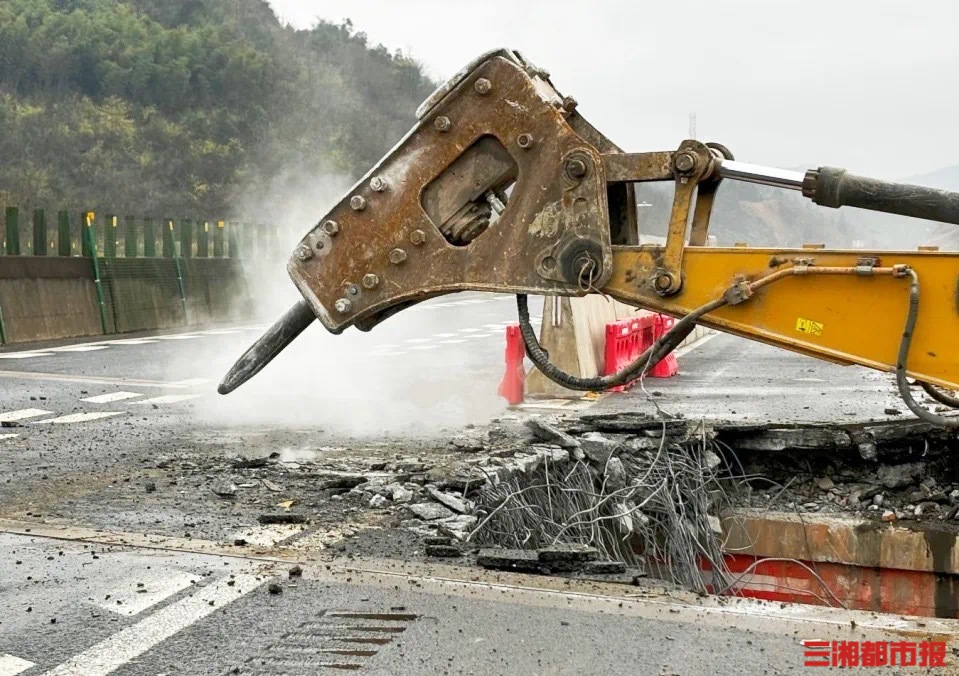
x: 652, y: 356
x: 901, y: 381
x: 940, y: 396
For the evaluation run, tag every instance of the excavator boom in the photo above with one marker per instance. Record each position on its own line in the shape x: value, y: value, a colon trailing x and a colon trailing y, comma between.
x: 502, y: 186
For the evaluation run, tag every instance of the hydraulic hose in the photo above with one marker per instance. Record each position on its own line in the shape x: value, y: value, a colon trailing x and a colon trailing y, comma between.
x: 652, y: 356
x: 940, y: 396
x: 901, y: 381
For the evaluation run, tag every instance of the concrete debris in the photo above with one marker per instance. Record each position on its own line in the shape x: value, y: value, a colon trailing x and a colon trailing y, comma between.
x: 568, y: 553
x: 598, y: 447
x: 604, y: 567
x: 447, y: 551
x: 550, y: 433
x: 224, y: 489
x: 897, y: 476
x: 429, y: 511
x: 888, y: 515
x: 825, y: 483
x: 271, y: 486
x: 509, y: 559
x: 550, y: 560
x: 250, y: 463
x: 378, y: 502
x: 284, y: 518
x: 150, y: 486
x: 400, y: 494
x: 449, y: 500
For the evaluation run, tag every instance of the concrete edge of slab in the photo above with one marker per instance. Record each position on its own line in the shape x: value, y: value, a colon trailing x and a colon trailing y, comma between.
x: 845, y: 539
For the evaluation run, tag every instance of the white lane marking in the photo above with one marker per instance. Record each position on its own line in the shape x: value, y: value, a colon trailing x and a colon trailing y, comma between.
x: 219, y: 332
x: 191, y: 382
x: 444, y: 335
x: 11, y: 666
x: 470, y: 330
x: 417, y: 340
x: 267, y: 536
x: 387, y: 354
x: 179, y: 336
x: 452, y: 342
x: 23, y: 414
x: 131, y: 599
x: 79, y: 417
x: 424, y: 347
x: 112, y: 653
x: 168, y: 399
x: 132, y: 341
x: 8, y: 436
x: 810, y: 380
x: 25, y: 355
x: 79, y: 348
x: 112, y: 396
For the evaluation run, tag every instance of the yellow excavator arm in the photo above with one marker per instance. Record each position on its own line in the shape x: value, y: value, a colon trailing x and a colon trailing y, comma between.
x: 503, y: 186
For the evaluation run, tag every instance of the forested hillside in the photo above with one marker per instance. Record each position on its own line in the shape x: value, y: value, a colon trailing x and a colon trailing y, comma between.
x: 181, y: 106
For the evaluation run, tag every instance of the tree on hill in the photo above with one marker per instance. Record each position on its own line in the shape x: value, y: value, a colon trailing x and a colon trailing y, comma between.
x: 181, y: 106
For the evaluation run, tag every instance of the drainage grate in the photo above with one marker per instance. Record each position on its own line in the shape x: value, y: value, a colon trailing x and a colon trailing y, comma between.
x: 339, y: 640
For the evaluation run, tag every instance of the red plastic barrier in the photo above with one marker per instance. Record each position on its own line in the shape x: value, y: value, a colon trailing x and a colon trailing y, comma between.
x: 514, y: 380
x: 626, y: 339
x: 668, y: 367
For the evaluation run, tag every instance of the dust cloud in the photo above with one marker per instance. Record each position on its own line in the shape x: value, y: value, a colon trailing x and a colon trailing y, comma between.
x: 351, y: 384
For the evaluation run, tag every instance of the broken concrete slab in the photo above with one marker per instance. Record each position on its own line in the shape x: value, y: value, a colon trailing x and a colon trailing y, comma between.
x: 567, y: 553
x: 449, y: 500
x: 604, y: 567
x: 429, y: 511
x: 444, y: 551
x: 509, y: 559
x: 544, y: 431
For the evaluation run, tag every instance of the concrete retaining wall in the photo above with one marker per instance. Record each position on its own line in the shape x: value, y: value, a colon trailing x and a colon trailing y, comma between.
x: 49, y: 298
x: 46, y: 298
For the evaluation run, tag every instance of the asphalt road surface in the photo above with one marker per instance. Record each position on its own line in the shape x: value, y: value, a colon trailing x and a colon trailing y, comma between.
x: 93, y: 583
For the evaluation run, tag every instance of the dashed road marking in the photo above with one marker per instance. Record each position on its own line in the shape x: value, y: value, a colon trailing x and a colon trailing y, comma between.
x: 79, y: 417
x: 112, y: 396
x: 11, y: 666
x: 133, y: 599
x: 131, y: 341
x: 112, y: 653
x: 418, y: 340
x: 444, y: 335
x: 79, y: 348
x: 429, y: 346
x: 452, y: 342
x: 23, y: 414
x: 168, y: 399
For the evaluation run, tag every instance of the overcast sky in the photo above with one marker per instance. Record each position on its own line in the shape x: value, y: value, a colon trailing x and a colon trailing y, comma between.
x: 866, y: 85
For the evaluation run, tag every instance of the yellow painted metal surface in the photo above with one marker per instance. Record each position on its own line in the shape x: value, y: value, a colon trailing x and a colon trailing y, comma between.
x: 847, y: 319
